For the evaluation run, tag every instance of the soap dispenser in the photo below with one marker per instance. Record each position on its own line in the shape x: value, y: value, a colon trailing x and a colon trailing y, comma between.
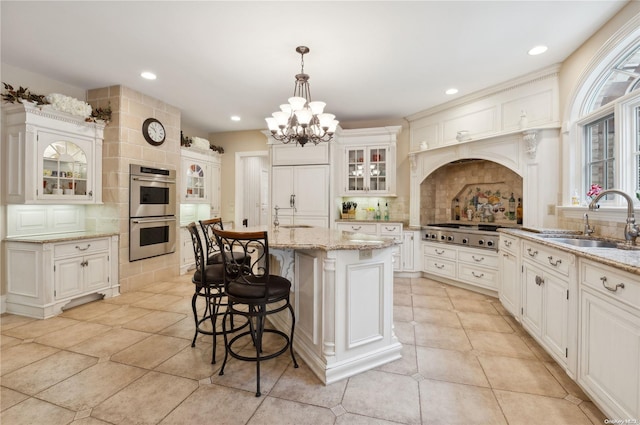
x: 378, y: 213
x: 386, y: 211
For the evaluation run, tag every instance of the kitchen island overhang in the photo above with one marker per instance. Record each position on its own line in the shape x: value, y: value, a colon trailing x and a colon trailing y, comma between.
x: 342, y: 292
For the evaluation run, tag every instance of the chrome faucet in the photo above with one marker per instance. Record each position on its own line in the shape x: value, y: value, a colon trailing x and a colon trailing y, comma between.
x: 276, y: 222
x: 631, y: 229
x: 588, y: 230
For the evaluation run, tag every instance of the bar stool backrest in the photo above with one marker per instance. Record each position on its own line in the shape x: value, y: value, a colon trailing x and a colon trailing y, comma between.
x: 209, y: 238
x: 198, y: 251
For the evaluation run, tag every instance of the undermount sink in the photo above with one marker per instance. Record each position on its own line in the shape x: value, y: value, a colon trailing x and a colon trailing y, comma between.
x: 585, y: 243
x: 295, y: 226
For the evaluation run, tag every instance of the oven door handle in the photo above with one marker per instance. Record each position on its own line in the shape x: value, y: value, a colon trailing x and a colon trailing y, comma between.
x: 152, y: 220
x: 148, y: 179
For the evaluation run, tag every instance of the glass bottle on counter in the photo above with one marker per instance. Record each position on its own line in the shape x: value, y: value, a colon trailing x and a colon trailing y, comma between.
x: 378, y: 213
x: 386, y: 211
x: 519, y: 211
x: 512, y: 207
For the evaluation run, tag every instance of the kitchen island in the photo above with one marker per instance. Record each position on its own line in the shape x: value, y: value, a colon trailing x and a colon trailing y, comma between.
x: 342, y: 284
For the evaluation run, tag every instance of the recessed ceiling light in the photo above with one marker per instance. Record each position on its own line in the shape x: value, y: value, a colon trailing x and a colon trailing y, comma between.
x: 538, y: 50
x: 452, y: 91
x: 148, y: 75
x: 235, y: 118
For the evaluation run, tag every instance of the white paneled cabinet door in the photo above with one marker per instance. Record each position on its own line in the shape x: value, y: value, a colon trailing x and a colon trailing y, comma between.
x: 311, y: 190
x: 68, y: 276
x: 282, y: 189
x: 96, y: 271
x: 555, y: 308
x: 532, y: 299
x: 215, y: 189
x: 510, y: 283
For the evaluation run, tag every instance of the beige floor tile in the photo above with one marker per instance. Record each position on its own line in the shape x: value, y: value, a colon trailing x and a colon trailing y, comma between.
x: 181, y: 307
x: 429, y: 335
x: 44, y: 373
x: 540, y: 353
x: 150, y: 352
x: 211, y: 404
x: 456, y: 293
x: 132, y: 404
x: 510, y: 345
x: 89, y: 421
x: 567, y: 383
x: 88, y: 311
x: 436, y: 317
x: 72, y: 335
x: 9, y: 397
x: 500, y: 308
x: 8, y: 321
x: 402, y: 313
x: 18, y: 356
x: 515, y: 325
x: 592, y: 412
x: 434, y: 290
x: 194, y: 362
x: 301, y: 385
x: 160, y: 287
x: 473, y: 305
x: 38, y: 328
x: 404, y: 332
x: 92, y: 386
x: 8, y: 341
x: 484, y: 322
x: 109, y: 343
x: 154, y: 321
x: 121, y: 315
x: 34, y: 411
x: 128, y: 298
x: 451, y: 366
x: 398, y: 402
x: 451, y: 404
x: 277, y: 411
x: 527, y: 409
x: 185, y: 328
x: 351, y: 419
x: 520, y: 375
x: 157, y: 301
x: 182, y: 289
x: 406, y: 365
x: 432, y: 302
x: 402, y: 299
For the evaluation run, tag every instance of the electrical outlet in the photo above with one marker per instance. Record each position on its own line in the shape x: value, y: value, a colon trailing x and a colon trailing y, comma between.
x: 366, y: 254
x: 551, y: 209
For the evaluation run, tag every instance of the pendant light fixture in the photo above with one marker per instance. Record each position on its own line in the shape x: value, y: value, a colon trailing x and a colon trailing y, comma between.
x: 301, y: 120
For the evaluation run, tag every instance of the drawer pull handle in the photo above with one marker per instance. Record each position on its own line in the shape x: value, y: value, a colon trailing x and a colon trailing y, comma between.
x: 83, y: 249
x: 85, y: 263
x: 477, y: 275
x: 615, y: 289
x: 531, y: 252
x: 439, y: 266
x: 477, y: 259
x: 389, y: 229
x: 439, y: 252
x: 556, y: 263
x: 356, y: 227
x: 539, y: 280
x: 507, y: 243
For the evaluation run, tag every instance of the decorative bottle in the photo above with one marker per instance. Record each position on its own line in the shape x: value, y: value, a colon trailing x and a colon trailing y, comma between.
x: 378, y: 213
x: 456, y: 210
x: 386, y: 211
x: 512, y: 207
x: 519, y: 211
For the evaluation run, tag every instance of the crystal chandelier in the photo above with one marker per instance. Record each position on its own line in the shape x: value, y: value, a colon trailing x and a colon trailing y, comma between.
x: 301, y: 120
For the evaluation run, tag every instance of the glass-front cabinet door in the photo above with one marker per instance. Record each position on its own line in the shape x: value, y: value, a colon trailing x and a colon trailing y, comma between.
x: 366, y: 170
x: 195, y: 188
x: 356, y: 170
x: 64, y: 166
x: 377, y: 169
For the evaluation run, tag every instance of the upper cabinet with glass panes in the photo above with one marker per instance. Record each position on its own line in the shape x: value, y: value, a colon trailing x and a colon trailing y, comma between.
x: 51, y: 157
x: 369, y: 161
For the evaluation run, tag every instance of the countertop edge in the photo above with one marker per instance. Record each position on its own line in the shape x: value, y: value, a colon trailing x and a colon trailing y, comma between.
x: 60, y: 237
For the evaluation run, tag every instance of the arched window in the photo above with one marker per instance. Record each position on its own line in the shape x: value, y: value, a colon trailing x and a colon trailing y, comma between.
x: 621, y: 79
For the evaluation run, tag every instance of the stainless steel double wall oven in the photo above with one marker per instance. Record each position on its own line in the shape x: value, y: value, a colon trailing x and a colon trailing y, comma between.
x: 152, y: 212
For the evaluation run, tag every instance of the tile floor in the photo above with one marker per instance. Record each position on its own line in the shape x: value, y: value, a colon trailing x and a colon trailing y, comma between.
x: 129, y: 360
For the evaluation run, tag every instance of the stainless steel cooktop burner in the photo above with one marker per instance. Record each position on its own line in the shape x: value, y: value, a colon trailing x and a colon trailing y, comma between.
x: 473, y: 235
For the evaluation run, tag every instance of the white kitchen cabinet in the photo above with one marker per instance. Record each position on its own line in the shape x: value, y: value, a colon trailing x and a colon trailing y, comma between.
x: 368, y: 161
x: 386, y: 229
x: 51, y: 157
x: 510, y: 274
x: 409, y: 238
x: 216, y: 189
x: 187, y: 259
x: 545, y: 298
x: 609, y: 364
x: 302, y: 194
x: 43, y: 277
x: 200, y: 181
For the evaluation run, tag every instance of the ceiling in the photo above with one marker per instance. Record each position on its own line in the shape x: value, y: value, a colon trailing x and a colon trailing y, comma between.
x: 368, y: 60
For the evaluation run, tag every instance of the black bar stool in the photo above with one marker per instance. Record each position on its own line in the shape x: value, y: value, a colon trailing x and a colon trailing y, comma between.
x: 209, y: 284
x: 214, y: 256
x: 250, y: 290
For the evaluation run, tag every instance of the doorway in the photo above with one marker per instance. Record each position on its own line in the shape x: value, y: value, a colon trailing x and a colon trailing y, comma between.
x: 252, y: 188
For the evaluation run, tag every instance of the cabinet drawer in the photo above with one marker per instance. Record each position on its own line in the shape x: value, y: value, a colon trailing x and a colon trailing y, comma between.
x: 439, y: 251
x: 80, y: 247
x: 549, y: 258
x: 390, y: 229
x: 479, y: 258
x: 509, y: 243
x: 616, y: 284
x: 439, y: 266
x: 368, y: 228
x: 478, y: 275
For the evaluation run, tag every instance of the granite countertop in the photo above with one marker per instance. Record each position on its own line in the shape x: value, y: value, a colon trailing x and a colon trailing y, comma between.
x: 405, y: 223
x: 623, y: 259
x: 320, y: 238
x: 60, y: 237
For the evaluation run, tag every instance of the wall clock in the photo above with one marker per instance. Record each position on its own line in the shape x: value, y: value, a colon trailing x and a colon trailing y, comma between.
x: 153, y: 131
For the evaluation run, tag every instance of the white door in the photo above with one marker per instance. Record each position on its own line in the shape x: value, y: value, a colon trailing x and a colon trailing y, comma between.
x: 311, y: 186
